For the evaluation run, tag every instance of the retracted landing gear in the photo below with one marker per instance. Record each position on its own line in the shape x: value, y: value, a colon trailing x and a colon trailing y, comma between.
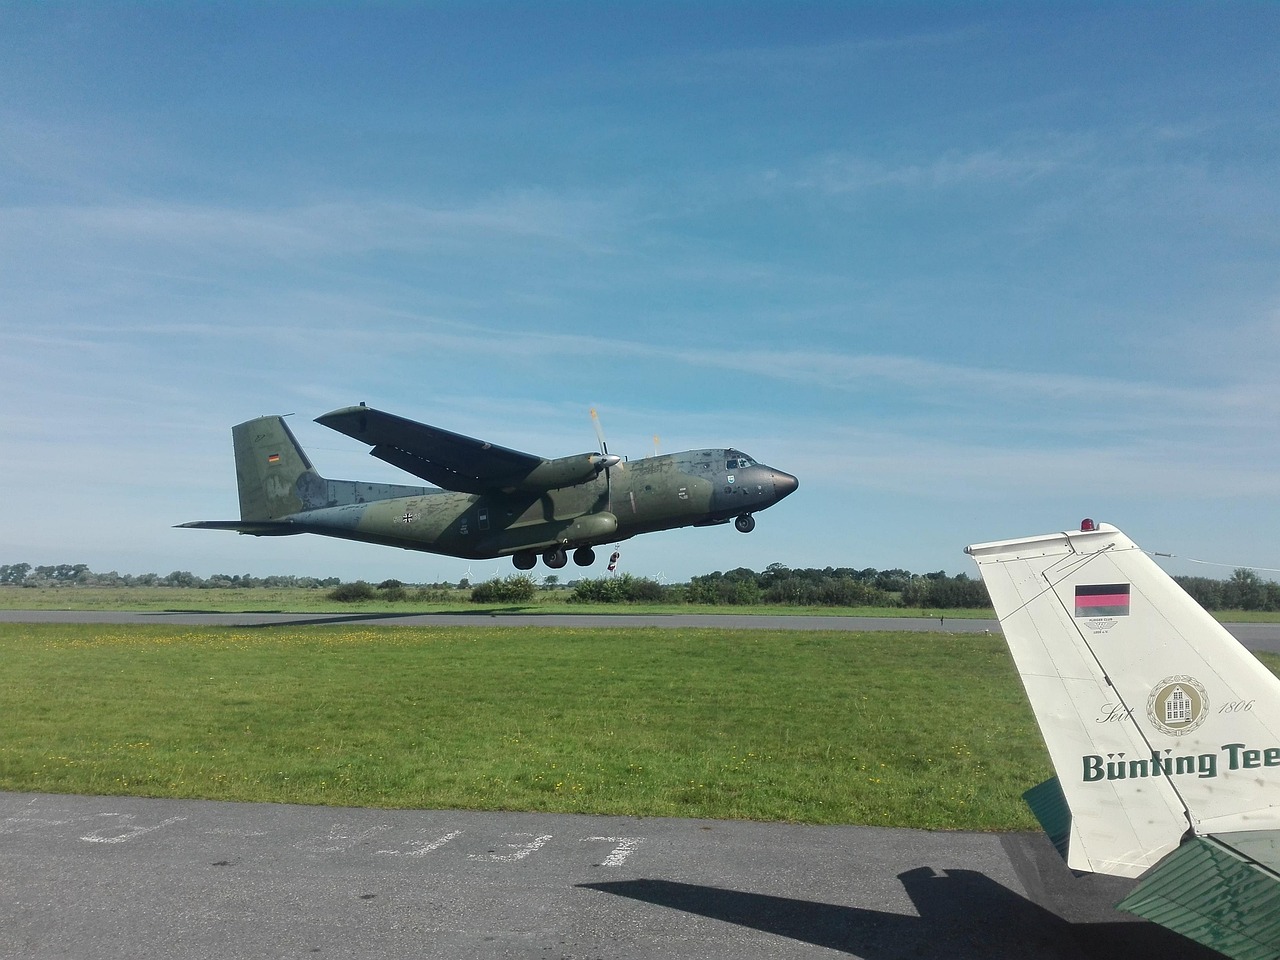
x: 745, y: 523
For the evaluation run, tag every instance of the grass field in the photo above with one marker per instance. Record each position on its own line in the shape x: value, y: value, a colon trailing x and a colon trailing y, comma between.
x: 905, y: 729
x: 897, y: 729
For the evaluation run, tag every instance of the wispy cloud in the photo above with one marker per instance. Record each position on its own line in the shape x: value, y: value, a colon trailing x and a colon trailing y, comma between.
x: 797, y: 62
x: 841, y: 173
x: 349, y: 227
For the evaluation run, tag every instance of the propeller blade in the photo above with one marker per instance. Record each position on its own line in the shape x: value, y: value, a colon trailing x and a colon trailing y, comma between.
x: 608, y: 461
x: 595, y: 419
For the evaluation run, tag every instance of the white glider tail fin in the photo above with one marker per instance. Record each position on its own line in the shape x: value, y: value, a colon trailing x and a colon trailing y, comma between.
x: 1159, y: 724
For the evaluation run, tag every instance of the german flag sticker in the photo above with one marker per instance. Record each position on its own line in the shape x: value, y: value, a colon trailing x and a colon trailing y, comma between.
x: 1102, y: 600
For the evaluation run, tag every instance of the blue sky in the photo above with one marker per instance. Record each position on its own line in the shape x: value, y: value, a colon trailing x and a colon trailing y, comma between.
x: 970, y: 271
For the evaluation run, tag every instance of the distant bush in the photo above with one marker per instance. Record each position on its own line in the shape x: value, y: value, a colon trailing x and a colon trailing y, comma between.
x: 620, y: 589
x: 735, y: 588
x: 517, y: 588
x: 392, y: 590
x: 837, y: 587
x: 939, y: 590
x: 435, y: 595
x: 352, y: 592
x: 828, y: 592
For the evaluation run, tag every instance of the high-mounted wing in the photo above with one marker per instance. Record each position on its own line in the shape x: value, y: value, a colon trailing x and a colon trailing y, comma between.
x: 457, y: 462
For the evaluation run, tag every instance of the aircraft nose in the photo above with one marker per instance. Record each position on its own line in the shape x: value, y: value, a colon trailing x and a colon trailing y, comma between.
x: 784, y: 484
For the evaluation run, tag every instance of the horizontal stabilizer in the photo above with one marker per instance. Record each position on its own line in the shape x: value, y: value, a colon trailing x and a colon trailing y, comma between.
x: 1222, y: 891
x: 258, y: 528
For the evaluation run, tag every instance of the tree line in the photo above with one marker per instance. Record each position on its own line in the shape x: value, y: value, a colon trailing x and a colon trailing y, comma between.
x: 79, y: 574
x: 776, y: 584
x: 1244, y: 590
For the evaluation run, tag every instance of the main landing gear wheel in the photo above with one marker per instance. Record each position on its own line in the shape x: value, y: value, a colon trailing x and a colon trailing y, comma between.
x: 525, y: 560
x: 584, y: 556
x: 745, y: 523
x: 555, y: 558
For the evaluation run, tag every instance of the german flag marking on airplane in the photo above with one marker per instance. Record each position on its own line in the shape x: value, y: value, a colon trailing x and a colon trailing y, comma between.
x: 1102, y: 600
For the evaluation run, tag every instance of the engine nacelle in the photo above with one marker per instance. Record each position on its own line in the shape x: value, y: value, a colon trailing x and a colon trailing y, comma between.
x: 564, y: 472
x: 590, y: 528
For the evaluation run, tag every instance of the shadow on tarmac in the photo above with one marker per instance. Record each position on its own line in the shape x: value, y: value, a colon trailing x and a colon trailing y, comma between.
x: 963, y: 914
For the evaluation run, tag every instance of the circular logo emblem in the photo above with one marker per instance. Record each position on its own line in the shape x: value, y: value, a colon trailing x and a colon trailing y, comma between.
x: 1177, y: 705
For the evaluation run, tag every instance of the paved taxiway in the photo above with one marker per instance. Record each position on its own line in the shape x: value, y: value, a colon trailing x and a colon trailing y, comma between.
x: 93, y: 877
x: 1255, y: 636
x: 145, y: 879
x: 481, y: 619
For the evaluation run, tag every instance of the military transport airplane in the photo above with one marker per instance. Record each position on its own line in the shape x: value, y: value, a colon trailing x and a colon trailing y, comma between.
x: 496, y: 502
x: 1163, y: 730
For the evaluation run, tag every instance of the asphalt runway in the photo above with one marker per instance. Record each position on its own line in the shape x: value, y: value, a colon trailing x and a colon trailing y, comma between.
x: 104, y: 878
x: 1255, y: 636
x: 485, y: 618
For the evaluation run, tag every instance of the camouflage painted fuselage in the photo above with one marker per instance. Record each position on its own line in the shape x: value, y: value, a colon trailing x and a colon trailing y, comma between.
x: 282, y: 494
x: 641, y: 496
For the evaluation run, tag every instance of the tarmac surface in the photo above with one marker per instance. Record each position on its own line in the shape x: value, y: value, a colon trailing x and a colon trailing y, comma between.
x: 110, y: 877
x: 1255, y: 636
x: 114, y: 877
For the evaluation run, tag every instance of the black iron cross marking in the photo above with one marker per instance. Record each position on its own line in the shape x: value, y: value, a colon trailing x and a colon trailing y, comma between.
x: 408, y: 517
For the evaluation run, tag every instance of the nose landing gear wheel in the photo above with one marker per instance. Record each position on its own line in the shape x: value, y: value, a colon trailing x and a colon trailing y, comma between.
x: 584, y: 556
x: 555, y: 558
x: 745, y: 523
x: 525, y: 560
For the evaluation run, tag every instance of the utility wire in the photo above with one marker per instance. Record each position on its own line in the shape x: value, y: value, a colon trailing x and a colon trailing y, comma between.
x: 1211, y: 563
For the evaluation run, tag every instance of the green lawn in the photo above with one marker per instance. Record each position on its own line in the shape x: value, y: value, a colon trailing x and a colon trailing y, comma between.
x: 903, y: 729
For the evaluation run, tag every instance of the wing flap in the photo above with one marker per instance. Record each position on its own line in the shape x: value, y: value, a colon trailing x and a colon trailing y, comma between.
x: 1221, y: 890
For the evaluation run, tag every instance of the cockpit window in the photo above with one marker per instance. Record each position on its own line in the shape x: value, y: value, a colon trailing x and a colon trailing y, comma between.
x: 738, y: 464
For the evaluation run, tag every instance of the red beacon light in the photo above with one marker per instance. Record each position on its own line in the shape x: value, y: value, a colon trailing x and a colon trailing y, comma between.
x: 1087, y: 525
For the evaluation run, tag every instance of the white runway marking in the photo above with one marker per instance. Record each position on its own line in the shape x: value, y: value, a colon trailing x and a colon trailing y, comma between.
x: 423, y: 847
x: 132, y: 833
x: 521, y: 850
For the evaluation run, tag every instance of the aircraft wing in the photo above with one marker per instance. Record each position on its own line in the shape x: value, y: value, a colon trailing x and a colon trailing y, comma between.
x: 438, y: 456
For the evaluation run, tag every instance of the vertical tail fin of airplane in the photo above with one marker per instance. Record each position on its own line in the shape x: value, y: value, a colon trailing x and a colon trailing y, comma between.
x: 1159, y: 724
x: 274, y: 476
